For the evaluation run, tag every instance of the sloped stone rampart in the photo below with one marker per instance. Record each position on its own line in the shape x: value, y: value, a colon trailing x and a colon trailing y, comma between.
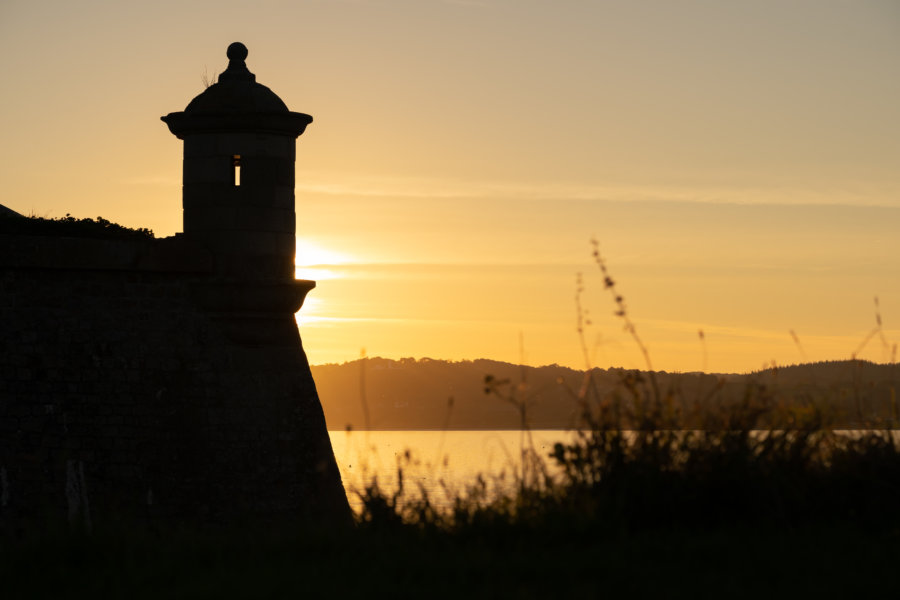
x: 133, y: 383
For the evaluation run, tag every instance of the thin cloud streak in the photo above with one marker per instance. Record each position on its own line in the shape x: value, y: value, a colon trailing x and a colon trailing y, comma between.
x: 472, y: 3
x: 315, y: 320
x: 692, y: 327
x: 161, y: 180
x: 762, y: 196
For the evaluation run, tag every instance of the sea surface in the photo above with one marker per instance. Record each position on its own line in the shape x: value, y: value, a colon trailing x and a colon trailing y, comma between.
x: 442, y: 463
x: 446, y: 464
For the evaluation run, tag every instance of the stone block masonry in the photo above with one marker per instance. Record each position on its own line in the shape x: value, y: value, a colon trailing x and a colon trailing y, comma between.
x: 148, y: 390
x: 165, y: 378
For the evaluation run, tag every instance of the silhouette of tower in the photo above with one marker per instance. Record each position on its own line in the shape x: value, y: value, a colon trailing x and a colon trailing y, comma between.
x: 185, y: 393
x: 238, y: 200
x: 238, y: 178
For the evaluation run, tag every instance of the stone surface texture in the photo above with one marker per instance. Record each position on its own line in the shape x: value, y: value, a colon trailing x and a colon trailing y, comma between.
x: 166, y: 378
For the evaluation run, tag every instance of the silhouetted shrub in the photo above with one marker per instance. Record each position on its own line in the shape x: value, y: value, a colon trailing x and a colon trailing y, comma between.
x: 70, y: 226
x: 644, y: 458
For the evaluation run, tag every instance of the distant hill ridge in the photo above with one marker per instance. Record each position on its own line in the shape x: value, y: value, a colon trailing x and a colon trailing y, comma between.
x: 380, y: 393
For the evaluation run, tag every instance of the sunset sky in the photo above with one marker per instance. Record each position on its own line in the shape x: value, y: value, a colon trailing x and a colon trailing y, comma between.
x: 739, y: 163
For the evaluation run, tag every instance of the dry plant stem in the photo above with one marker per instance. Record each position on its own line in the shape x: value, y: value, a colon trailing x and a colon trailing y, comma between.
x: 702, y: 337
x: 207, y: 79
x: 622, y: 313
x: 522, y: 388
x: 531, y: 470
x: 362, y: 389
x: 588, y: 384
x: 797, y: 343
x: 582, y: 321
x: 879, y: 331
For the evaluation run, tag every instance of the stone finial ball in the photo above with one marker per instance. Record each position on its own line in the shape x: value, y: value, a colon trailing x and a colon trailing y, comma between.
x: 236, y: 51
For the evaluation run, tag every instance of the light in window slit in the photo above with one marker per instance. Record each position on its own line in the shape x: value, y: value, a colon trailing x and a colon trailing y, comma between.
x: 236, y: 161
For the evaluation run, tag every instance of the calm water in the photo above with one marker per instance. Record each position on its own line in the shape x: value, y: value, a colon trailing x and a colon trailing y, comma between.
x: 445, y: 463
x: 438, y: 461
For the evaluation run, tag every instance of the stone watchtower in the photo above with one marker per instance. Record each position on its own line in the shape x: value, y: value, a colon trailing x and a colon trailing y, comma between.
x: 238, y: 198
x: 239, y: 154
x: 166, y: 378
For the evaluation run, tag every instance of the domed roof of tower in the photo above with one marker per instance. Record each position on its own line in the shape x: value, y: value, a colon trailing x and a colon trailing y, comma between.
x: 237, y: 103
x: 236, y: 90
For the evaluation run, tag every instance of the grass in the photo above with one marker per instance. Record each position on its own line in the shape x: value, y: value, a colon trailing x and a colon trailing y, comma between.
x: 741, y: 562
x: 634, y: 469
x: 645, y: 459
x: 754, y: 481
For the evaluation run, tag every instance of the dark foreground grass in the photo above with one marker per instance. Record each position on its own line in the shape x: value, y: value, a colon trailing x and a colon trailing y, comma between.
x: 838, y: 560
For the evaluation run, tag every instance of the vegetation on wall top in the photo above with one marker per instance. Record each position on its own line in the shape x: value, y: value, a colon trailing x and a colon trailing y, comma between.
x: 70, y: 226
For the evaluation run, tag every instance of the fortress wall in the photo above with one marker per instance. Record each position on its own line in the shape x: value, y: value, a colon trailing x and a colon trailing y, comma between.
x: 123, y: 394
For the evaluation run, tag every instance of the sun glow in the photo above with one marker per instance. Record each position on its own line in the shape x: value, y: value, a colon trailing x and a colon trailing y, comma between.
x: 309, y: 313
x: 312, y: 260
x: 310, y: 254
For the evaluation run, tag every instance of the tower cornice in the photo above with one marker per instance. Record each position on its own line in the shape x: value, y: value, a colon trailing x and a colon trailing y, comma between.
x: 283, y: 123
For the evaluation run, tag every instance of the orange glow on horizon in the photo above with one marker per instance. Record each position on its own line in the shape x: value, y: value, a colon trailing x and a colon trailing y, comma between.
x: 463, y: 154
x: 312, y: 259
x: 311, y: 254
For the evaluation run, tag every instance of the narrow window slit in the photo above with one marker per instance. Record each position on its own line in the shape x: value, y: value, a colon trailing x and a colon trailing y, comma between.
x: 236, y: 161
